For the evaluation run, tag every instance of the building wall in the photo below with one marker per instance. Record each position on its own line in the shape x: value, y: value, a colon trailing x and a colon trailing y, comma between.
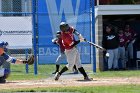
x: 98, y: 40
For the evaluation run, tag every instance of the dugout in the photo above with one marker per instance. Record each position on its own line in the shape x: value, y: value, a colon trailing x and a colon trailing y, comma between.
x: 116, y: 15
x: 118, y: 22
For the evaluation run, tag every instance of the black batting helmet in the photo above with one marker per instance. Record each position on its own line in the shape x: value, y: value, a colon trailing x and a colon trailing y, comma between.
x: 64, y: 26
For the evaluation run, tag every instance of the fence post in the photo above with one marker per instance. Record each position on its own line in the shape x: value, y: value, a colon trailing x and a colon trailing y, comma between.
x: 34, y: 22
x: 26, y: 66
x: 93, y: 30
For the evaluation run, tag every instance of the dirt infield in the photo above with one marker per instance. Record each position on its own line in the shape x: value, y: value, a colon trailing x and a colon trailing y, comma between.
x: 69, y: 80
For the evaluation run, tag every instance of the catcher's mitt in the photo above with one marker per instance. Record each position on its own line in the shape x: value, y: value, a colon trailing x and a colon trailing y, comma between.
x: 30, y: 61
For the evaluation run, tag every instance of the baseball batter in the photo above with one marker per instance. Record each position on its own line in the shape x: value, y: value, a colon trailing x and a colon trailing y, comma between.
x: 72, y: 54
x: 4, y: 73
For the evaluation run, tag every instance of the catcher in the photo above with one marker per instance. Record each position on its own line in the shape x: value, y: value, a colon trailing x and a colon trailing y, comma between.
x: 4, y: 73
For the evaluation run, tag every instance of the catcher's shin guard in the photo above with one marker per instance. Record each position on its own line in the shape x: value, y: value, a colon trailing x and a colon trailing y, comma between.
x: 4, y: 73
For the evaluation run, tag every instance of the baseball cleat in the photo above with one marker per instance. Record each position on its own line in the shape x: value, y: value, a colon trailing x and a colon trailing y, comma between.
x: 54, y: 72
x: 87, y: 79
x: 57, y: 75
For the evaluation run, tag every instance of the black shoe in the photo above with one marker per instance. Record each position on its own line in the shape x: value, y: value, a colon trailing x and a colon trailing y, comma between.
x: 54, y: 72
x: 87, y: 79
x: 57, y: 75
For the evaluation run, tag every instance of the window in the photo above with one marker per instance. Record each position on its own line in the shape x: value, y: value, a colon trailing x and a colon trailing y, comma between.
x: 16, y: 6
x: 6, y: 7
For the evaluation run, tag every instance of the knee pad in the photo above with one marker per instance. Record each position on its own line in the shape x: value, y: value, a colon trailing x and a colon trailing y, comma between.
x: 4, y: 73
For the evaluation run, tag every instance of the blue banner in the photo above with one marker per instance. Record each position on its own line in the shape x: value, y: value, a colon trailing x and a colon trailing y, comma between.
x: 50, y: 13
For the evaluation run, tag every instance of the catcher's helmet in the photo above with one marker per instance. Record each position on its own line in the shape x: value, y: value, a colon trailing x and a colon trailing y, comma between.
x: 64, y: 26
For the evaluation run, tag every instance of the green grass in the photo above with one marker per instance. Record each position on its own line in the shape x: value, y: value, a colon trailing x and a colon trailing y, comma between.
x: 126, y: 73
x: 95, y: 89
x: 44, y: 71
x: 18, y: 72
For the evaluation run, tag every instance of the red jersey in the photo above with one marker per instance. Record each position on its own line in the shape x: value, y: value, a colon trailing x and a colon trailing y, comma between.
x: 130, y: 35
x: 68, y: 38
x: 59, y: 42
x: 122, y: 39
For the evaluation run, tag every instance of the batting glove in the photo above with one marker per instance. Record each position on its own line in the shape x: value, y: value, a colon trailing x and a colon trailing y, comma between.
x: 82, y: 39
x: 54, y: 40
x: 80, y: 36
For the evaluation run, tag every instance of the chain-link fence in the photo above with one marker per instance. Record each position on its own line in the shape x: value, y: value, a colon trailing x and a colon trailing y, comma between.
x: 76, y: 13
x: 16, y: 27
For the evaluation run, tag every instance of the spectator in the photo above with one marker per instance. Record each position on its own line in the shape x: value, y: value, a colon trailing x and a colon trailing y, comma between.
x: 111, y: 43
x: 121, y: 54
x: 130, y: 35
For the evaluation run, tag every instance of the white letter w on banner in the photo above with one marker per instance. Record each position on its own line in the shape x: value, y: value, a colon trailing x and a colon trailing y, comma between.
x: 66, y: 7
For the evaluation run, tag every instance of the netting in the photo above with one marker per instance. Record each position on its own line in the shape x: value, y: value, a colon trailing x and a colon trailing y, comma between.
x: 51, y: 13
x: 16, y: 27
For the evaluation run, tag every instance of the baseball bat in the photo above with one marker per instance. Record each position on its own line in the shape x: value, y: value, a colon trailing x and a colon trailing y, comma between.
x: 95, y: 45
